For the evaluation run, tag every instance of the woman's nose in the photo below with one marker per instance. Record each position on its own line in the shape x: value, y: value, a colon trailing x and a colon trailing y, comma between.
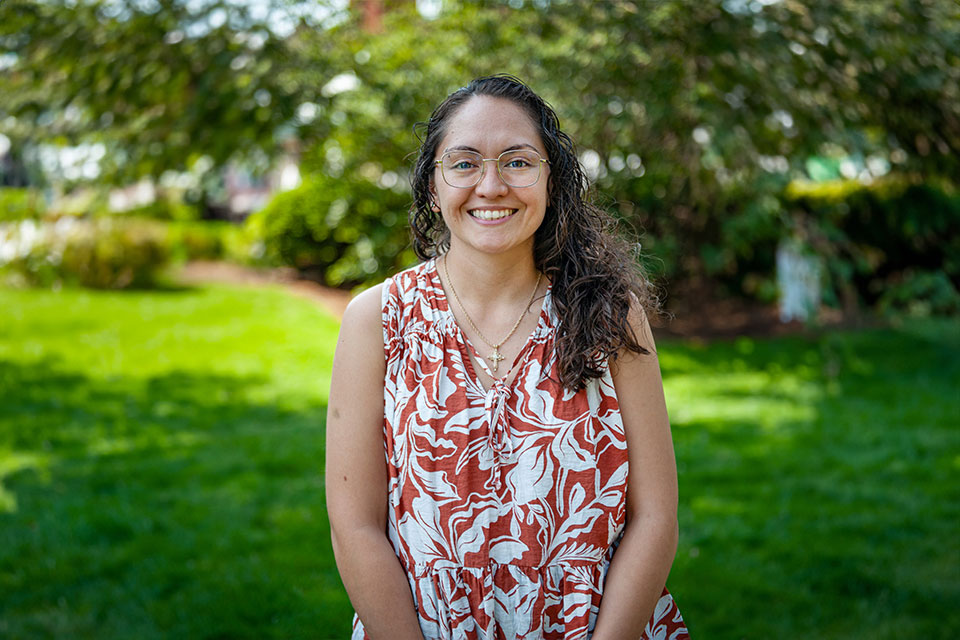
x: 490, y: 182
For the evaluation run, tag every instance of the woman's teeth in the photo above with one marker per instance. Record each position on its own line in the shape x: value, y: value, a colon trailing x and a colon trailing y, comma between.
x: 484, y: 214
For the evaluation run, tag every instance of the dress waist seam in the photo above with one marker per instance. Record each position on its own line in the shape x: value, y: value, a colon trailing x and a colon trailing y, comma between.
x: 422, y: 569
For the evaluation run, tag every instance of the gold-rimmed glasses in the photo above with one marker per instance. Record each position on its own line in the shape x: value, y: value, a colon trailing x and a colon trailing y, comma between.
x: 517, y: 168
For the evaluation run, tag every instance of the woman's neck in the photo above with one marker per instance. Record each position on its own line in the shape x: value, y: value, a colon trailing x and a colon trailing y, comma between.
x: 487, y: 278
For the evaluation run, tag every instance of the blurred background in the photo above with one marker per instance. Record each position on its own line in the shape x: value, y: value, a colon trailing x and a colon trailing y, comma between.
x: 190, y: 191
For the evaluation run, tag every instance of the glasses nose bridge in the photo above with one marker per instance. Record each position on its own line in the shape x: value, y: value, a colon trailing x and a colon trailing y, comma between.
x: 483, y: 169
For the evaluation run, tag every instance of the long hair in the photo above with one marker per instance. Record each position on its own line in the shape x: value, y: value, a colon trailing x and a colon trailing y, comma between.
x: 594, y: 272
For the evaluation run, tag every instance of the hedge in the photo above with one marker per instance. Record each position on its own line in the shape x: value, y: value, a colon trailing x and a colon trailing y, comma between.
x: 102, y: 253
x: 339, y: 232
x: 891, y: 244
x: 21, y: 203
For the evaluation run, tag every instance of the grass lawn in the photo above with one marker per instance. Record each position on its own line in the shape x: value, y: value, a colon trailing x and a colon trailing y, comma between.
x: 161, y: 457
x: 161, y: 463
x: 818, y: 484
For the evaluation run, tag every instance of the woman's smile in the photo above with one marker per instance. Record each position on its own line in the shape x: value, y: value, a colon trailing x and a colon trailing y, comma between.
x: 490, y: 127
x: 485, y: 215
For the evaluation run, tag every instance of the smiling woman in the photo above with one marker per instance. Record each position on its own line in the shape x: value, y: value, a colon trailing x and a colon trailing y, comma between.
x: 478, y: 501
x: 491, y: 212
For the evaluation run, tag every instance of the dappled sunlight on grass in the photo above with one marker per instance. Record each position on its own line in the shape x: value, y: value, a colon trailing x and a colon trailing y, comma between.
x: 12, y: 462
x: 147, y: 335
x: 161, y: 465
x: 173, y: 495
x: 722, y: 400
x: 825, y: 485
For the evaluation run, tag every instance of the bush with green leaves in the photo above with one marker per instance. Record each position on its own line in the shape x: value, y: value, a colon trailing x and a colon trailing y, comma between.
x: 98, y: 253
x: 213, y: 240
x: 195, y: 241
x: 891, y: 244
x: 21, y: 203
x: 163, y: 209
x: 338, y: 231
x: 920, y: 293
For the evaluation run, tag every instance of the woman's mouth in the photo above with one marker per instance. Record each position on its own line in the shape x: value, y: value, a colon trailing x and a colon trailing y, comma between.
x: 491, y: 214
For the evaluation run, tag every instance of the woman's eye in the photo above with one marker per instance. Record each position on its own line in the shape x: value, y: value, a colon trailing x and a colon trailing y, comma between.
x: 517, y: 163
x: 463, y: 165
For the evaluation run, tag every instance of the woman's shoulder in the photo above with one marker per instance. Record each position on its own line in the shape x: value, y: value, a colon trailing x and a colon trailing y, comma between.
x: 364, y: 310
x: 386, y: 310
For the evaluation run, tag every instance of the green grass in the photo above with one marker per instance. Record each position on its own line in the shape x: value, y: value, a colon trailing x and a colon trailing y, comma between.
x: 161, y: 460
x: 161, y: 464
x: 818, y: 483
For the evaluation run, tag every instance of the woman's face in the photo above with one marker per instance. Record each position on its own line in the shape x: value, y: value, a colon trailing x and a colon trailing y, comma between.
x: 491, y: 126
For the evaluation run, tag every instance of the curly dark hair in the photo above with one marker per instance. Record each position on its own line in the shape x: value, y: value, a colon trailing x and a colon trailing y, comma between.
x: 595, y: 273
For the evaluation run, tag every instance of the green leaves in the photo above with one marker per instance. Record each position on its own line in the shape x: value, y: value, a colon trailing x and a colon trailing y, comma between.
x: 693, y: 115
x: 156, y: 83
x: 343, y: 232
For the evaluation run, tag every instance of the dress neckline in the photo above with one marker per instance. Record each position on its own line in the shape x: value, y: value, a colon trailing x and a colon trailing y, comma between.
x: 464, y: 345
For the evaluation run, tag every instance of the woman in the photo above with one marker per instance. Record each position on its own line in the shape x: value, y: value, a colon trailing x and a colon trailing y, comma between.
x: 485, y: 496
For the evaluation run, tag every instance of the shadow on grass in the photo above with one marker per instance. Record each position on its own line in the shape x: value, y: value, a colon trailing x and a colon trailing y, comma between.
x: 161, y: 508
x: 817, y: 500
x: 825, y: 513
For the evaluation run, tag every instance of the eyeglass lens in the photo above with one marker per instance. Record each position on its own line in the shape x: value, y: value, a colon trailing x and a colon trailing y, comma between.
x: 517, y: 168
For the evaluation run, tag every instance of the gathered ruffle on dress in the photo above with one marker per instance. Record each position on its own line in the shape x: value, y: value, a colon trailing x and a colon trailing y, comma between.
x: 506, y: 505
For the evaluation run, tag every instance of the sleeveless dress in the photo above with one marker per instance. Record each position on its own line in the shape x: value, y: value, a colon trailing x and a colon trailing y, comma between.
x: 505, y: 506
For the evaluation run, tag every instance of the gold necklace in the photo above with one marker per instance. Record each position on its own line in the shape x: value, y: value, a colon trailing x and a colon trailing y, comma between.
x: 496, y: 356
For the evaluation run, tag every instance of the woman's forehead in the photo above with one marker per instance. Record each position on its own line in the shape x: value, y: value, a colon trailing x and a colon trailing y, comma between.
x: 490, y: 125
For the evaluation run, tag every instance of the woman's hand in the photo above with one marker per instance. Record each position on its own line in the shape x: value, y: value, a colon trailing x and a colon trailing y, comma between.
x: 356, y: 477
x: 639, y: 569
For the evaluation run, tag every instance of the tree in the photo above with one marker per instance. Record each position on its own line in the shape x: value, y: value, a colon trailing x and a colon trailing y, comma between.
x: 160, y: 83
x: 691, y: 116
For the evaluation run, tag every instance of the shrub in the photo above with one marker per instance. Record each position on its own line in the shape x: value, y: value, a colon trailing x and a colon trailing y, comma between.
x: 340, y: 232
x: 163, y: 209
x: 213, y: 240
x: 101, y: 253
x: 884, y: 241
x: 920, y: 293
x: 199, y: 240
x: 20, y: 203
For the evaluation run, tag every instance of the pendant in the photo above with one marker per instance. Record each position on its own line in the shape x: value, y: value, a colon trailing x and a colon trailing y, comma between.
x: 495, y: 357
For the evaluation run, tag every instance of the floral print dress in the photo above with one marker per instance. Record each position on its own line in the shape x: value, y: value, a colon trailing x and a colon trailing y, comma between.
x: 505, y: 505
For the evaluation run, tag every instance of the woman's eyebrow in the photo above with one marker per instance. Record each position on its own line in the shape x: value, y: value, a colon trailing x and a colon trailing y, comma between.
x: 522, y: 145
x: 462, y: 148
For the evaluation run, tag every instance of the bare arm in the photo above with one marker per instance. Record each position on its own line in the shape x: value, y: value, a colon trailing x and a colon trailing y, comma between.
x: 639, y: 569
x: 356, y: 478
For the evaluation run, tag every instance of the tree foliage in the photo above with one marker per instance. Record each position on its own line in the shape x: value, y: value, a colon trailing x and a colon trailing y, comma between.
x: 160, y: 83
x: 691, y: 117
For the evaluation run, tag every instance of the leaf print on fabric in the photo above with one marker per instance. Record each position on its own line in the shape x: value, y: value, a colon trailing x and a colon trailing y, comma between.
x: 422, y: 531
x: 504, y: 510
x: 613, y: 493
x: 469, y: 528
x: 573, y: 445
x: 507, y: 549
x: 532, y: 476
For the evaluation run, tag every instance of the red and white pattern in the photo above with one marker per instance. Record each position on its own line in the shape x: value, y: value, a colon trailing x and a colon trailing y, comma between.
x: 505, y: 506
